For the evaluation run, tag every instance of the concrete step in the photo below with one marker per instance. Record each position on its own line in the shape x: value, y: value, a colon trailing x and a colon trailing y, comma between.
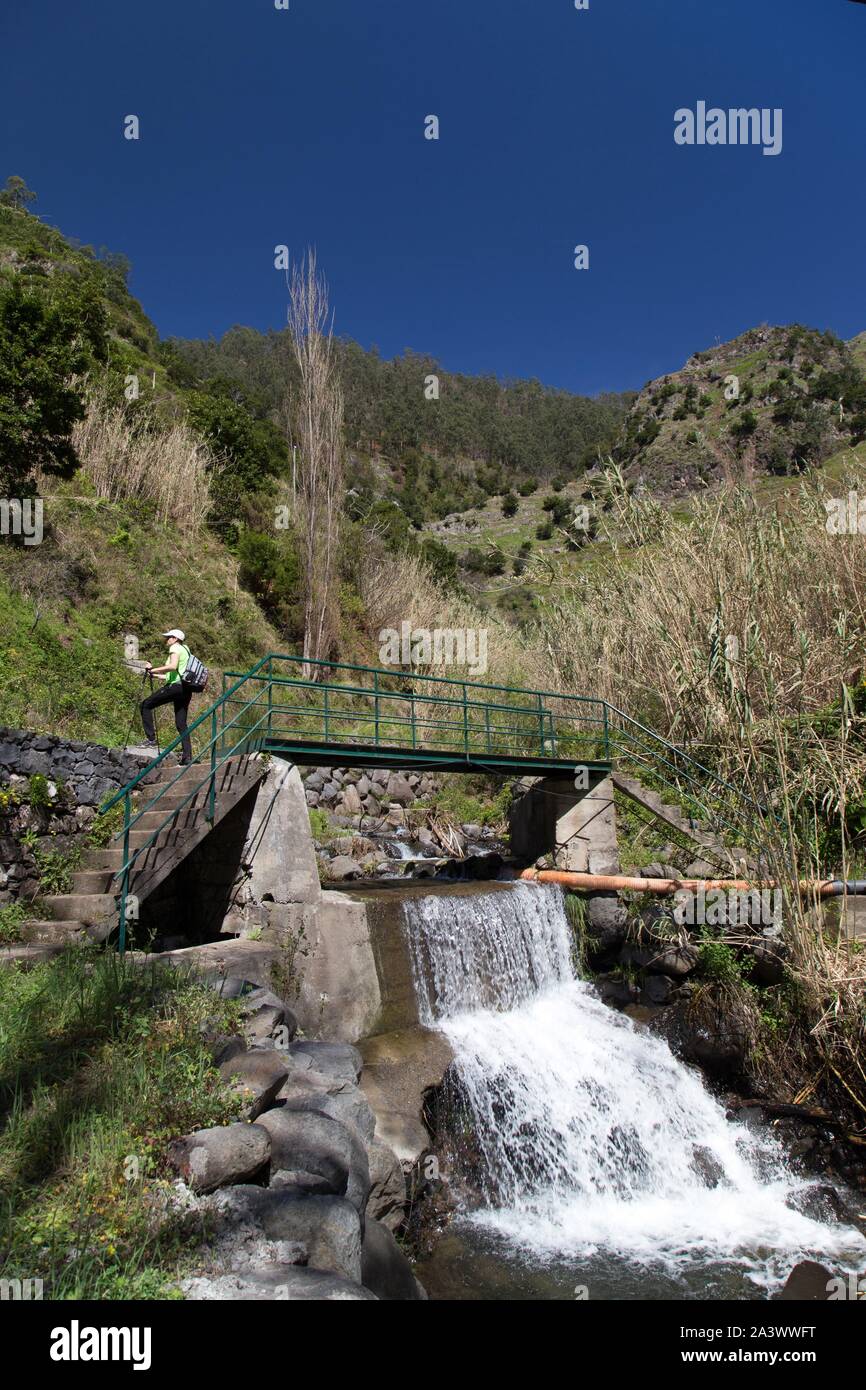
x: 56, y: 930
x: 153, y: 820
x: 93, y: 881
x: 30, y: 953
x: 85, y: 908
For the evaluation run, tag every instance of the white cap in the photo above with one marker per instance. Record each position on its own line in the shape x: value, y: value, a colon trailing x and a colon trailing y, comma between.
x: 174, y: 632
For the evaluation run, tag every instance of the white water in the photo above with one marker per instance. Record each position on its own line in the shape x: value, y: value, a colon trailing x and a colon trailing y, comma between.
x: 594, y: 1137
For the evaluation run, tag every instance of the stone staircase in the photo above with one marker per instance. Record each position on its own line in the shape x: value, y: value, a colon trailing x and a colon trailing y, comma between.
x: 91, y: 910
x: 674, y: 817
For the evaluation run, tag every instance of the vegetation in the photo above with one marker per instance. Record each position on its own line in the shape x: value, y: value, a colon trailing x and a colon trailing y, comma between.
x: 102, y: 1062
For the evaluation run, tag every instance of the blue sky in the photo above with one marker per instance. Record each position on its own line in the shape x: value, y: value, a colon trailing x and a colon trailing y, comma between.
x: 306, y: 126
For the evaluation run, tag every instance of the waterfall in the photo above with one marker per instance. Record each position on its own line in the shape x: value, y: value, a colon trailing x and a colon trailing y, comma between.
x: 592, y: 1136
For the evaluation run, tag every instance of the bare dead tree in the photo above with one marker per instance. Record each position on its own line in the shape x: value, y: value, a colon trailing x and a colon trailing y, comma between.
x: 316, y: 416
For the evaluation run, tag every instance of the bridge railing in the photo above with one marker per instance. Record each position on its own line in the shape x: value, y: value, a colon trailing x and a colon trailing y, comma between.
x: 352, y: 705
x: 708, y: 797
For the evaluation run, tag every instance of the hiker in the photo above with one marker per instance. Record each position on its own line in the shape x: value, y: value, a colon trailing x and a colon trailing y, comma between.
x: 175, y: 692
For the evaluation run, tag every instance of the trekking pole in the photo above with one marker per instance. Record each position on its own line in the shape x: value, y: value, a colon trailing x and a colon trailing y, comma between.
x: 155, y: 724
x: 136, y: 714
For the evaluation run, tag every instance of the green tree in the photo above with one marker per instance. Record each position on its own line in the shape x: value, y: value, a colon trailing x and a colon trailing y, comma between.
x: 47, y: 339
x: 16, y: 194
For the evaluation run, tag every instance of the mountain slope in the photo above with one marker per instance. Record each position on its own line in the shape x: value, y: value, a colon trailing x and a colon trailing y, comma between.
x: 774, y: 400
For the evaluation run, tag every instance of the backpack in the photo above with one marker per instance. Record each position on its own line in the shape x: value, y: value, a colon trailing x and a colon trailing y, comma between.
x: 196, y: 675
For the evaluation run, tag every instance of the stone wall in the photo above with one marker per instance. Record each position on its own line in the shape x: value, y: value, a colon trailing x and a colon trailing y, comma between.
x: 51, y: 816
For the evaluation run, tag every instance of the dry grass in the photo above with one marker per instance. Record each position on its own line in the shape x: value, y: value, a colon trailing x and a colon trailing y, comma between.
x: 145, y: 460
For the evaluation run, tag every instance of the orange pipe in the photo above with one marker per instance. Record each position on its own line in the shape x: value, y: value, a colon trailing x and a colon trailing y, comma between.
x: 623, y: 883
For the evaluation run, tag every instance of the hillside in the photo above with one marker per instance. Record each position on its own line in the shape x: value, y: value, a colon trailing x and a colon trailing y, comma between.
x: 772, y: 401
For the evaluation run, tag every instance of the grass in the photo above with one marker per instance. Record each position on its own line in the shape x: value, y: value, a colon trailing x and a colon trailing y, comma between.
x: 102, y: 1063
x: 473, y: 801
x: 66, y: 605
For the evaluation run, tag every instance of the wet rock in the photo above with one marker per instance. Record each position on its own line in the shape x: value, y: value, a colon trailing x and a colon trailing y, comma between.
x: 707, y: 1166
x: 656, y: 990
x: 607, y: 920
x: 714, y: 1037
x: 616, y: 990
x: 385, y: 1269
x: 822, y: 1203
x: 387, y: 1200
x: 808, y: 1282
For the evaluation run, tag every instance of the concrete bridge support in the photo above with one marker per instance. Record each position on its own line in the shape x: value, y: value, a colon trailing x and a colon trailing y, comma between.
x: 550, y: 815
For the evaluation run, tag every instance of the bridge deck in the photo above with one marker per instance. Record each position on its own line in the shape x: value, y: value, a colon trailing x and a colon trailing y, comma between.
x: 312, y: 753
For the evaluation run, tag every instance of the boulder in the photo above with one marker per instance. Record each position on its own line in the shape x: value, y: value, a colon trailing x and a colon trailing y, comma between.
x: 277, y: 1282
x: 262, y: 1023
x: 302, y: 1183
x: 329, y: 1227
x: 399, y: 790
x: 261, y: 998
x: 607, y: 920
x: 656, y: 989
x: 313, y: 1142
x: 258, y: 1075
x: 387, y: 1200
x: 340, y: 1061
x: 212, y: 1158
x: 341, y: 867
x: 674, y: 961
x: 351, y: 802
x: 821, y: 1202
x: 344, y: 1102
x: 385, y: 1269
x: 768, y: 962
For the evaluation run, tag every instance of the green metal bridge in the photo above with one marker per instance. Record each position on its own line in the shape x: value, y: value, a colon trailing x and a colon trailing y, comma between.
x: 332, y: 714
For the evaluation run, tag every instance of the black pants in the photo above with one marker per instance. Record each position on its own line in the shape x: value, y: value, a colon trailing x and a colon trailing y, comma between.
x: 176, y: 694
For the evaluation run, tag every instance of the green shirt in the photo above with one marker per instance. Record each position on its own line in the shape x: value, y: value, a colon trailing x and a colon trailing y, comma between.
x: 173, y: 677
